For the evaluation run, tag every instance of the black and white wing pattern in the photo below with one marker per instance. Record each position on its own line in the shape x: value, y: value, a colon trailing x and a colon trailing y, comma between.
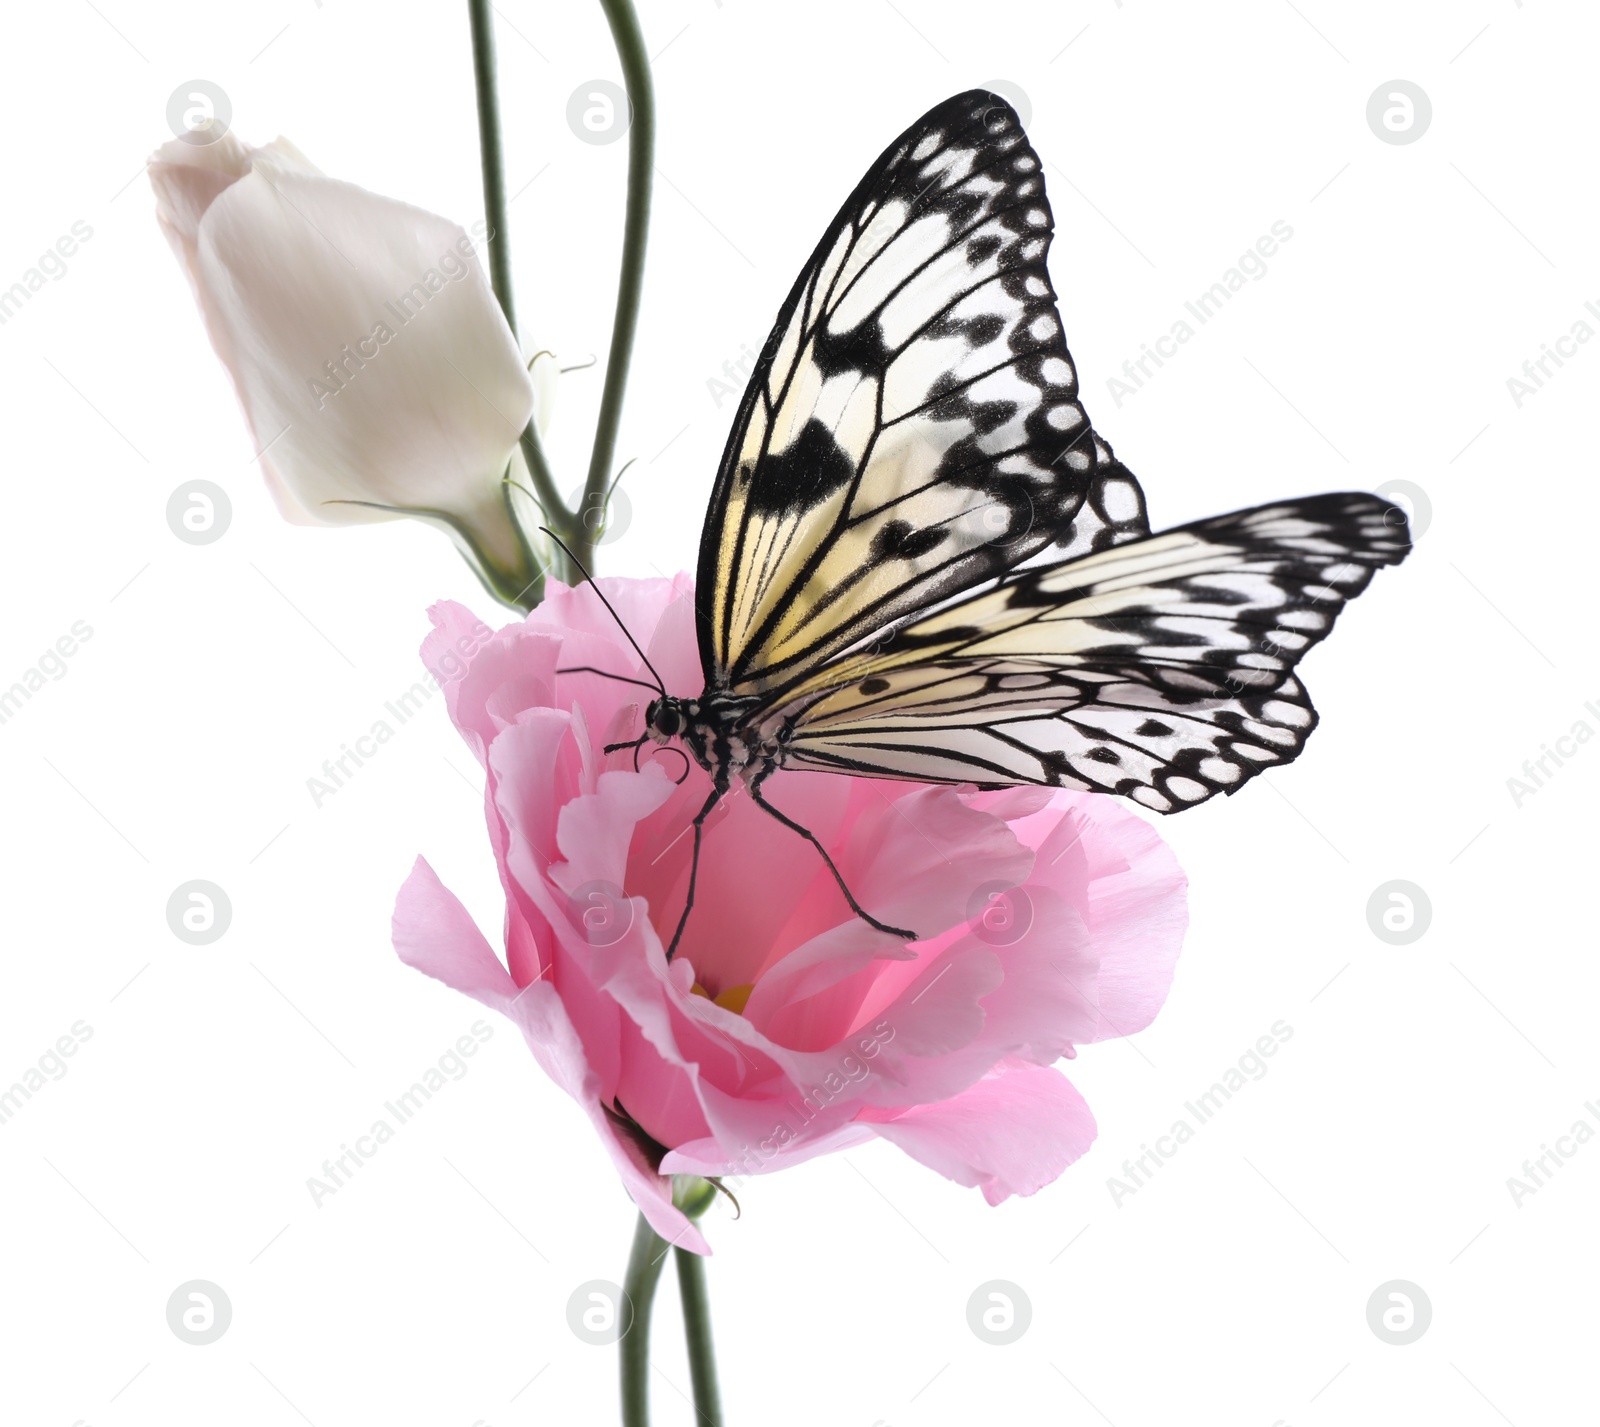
x: 913, y: 427
x: 1159, y: 669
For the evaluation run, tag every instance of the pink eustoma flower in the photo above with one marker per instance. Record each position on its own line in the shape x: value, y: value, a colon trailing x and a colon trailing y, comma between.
x: 784, y: 1026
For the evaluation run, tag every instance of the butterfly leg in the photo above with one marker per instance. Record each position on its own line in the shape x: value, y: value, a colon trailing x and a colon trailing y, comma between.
x: 717, y: 791
x: 811, y: 837
x: 635, y: 744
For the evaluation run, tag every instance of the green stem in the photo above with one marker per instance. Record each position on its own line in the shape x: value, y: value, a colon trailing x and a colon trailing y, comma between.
x: 631, y: 51
x: 697, y: 1330
x: 494, y: 209
x: 493, y: 154
x: 693, y: 1195
x: 529, y: 591
x: 644, y: 1273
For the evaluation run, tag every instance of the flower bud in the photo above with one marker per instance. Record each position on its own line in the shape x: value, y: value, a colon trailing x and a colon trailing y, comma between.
x: 376, y: 370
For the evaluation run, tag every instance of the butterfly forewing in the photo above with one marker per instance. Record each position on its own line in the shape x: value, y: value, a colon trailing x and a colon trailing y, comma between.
x: 921, y: 561
x: 913, y: 428
x: 1159, y: 669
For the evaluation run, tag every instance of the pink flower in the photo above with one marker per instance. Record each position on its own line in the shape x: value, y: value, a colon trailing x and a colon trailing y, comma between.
x: 784, y: 1027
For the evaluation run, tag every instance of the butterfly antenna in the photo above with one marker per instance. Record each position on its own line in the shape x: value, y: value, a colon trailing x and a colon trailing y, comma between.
x: 604, y: 674
x: 661, y: 687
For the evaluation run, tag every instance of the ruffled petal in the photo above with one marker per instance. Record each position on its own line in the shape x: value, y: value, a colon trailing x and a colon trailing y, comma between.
x: 1133, y: 897
x: 1013, y: 1133
x: 434, y: 933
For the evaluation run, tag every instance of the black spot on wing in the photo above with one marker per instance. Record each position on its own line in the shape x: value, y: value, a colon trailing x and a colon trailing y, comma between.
x: 980, y: 330
x: 902, y: 641
x: 900, y: 540
x: 982, y: 248
x: 861, y: 349
x: 987, y: 416
x: 813, y: 468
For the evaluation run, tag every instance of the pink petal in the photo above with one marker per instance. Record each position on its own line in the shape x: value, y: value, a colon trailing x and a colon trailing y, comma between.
x: 708, y: 1157
x: 434, y: 933
x: 1013, y: 1133
x: 489, y: 677
x: 593, y: 833
x: 896, y: 858
x: 1132, y: 895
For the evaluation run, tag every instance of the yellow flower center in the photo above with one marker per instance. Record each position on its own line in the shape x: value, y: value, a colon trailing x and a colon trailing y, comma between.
x: 733, y: 999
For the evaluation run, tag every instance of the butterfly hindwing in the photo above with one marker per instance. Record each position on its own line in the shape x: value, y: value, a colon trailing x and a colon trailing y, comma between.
x: 912, y: 428
x: 1159, y: 669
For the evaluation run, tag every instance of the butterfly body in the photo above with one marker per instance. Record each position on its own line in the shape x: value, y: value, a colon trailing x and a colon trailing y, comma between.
x: 922, y: 562
x: 719, y: 731
x: 716, y: 729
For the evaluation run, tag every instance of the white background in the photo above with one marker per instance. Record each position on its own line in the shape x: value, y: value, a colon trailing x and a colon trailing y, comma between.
x: 431, y: 1292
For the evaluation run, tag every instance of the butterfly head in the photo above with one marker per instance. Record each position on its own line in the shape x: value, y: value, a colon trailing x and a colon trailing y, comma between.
x: 666, y: 718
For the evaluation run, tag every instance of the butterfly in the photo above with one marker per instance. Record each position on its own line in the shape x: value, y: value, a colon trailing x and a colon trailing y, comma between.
x: 922, y: 562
